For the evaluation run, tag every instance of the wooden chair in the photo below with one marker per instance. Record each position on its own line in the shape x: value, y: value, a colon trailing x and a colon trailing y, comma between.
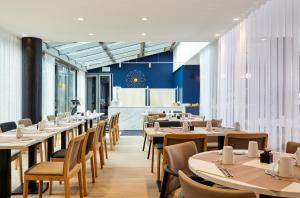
x: 240, y: 140
x: 116, y: 126
x: 111, y: 132
x: 214, y: 123
x: 193, y: 189
x: 86, y: 154
x: 104, y: 138
x: 16, y: 155
x: 58, y: 171
x: 171, y: 139
x: 291, y: 147
x: 99, y: 145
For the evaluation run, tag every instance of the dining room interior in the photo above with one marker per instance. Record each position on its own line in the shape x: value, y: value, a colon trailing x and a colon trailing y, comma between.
x: 168, y: 99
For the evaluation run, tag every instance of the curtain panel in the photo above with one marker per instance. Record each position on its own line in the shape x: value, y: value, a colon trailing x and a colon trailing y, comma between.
x: 258, y: 72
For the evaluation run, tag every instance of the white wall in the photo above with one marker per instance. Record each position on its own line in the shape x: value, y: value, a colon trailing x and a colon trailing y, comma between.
x: 184, y: 51
x: 81, y: 91
x: 10, y: 77
x: 48, y: 86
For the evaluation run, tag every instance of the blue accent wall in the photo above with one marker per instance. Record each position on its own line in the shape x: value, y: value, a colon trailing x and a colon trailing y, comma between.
x: 187, y: 79
x: 160, y: 75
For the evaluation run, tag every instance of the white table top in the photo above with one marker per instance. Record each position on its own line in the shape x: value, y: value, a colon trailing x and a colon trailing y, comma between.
x: 32, y: 136
x: 92, y: 116
x: 209, y: 171
x: 197, y: 130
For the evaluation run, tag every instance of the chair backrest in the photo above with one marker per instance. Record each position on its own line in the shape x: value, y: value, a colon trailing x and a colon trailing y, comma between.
x: 214, y: 123
x: 100, y: 130
x: 26, y: 122
x: 73, y: 153
x: 177, y: 157
x: 199, y: 139
x: 7, y: 126
x: 192, y: 189
x: 291, y: 147
x: 118, y: 117
x: 88, y: 141
x: 111, y: 121
x: 160, y: 115
x: 240, y: 140
x: 51, y: 117
x: 105, y: 126
x: 163, y: 123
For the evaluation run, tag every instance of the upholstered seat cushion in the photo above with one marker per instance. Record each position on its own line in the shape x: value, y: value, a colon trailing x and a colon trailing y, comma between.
x: 159, y: 146
x: 46, y: 168
x: 59, y: 154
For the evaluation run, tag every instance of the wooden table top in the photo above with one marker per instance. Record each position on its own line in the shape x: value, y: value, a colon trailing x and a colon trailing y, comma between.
x: 32, y: 136
x: 197, y: 130
x: 248, y: 174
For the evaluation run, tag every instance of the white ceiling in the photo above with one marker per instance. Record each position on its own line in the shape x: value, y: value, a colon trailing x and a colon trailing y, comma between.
x: 120, y: 20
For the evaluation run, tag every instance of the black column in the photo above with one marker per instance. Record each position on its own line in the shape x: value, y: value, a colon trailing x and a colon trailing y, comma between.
x: 32, y: 78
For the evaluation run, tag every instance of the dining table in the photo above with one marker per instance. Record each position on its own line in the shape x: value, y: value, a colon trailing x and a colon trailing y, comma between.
x: 31, y: 138
x: 89, y: 118
x: 246, y: 173
x: 218, y: 132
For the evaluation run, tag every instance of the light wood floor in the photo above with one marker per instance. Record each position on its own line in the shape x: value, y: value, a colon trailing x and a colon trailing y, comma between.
x: 125, y: 174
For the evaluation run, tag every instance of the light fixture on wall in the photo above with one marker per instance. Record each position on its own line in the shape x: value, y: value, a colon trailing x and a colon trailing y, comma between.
x: 150, y: 65
x: 144, y: 19
x: 247, y: 75
x: 143, y: 34
x: 217, y: 35
x: 236, y: 19
x: 120, y: 65
x: 91, y: 34
x: 80, y: 19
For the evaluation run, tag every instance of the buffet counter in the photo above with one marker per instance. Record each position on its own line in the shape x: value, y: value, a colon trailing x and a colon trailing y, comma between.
x: 132, y: 118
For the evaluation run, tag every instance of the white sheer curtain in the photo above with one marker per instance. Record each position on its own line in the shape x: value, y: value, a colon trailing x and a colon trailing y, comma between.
x: 48, y: 86
x: 10, y: 77
x: 81, y: 90
x: 258, y: 72
x: 208, y: 80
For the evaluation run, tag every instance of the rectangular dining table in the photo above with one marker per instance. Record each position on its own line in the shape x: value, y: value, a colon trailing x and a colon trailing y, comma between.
x: 219, y: 132
x: 89, y: 118
x: 31, y: 138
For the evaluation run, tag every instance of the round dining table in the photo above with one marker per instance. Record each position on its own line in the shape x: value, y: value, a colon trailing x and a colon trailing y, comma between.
x: 246, y: 173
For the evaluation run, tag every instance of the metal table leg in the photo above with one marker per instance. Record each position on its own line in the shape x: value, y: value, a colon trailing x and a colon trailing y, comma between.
x: 5, y: 173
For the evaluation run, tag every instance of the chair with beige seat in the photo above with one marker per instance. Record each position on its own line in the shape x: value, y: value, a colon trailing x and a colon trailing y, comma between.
x: 58, y: 171
x: 193, y: 189
x: 240, y: 140
x: 86, y: 154
x: 177, y: 157
x: 291, y: 147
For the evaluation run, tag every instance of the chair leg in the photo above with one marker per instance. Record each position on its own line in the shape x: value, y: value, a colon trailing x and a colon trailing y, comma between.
x: 95, y: 162
x: 25, y: 189
x: 41, y: 152
x: 145, y: 138
x: 21, y: 169
x: 93, y: 168
x: 80, y: 183
x: 84, y: 178
x: 111, y: 140
x: 67, y: 188
x: 40, y: 188
x: 101, y: 155
x: 152, y: 159
x: 50, y: 187
x: 149, y: 149
x: 105, y: 148
x: 158, y: 164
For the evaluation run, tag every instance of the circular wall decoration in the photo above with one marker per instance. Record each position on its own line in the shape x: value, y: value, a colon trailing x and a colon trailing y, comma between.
x: 135, y: 79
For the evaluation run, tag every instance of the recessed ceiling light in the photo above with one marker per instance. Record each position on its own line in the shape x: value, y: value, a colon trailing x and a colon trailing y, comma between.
x: 80, y: 19
x: 144, y: 19
x: 263, y: 39
x: 143, y: 34
x: 217, y: 35
x: 91, y: 34
x: 236, y: 19
x: 24, y: 35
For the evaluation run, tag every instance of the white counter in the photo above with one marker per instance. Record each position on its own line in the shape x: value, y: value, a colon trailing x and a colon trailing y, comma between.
x: 131, y: 118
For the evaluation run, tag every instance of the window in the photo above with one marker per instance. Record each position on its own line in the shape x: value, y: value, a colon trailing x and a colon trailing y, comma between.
x: 65, y: 87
